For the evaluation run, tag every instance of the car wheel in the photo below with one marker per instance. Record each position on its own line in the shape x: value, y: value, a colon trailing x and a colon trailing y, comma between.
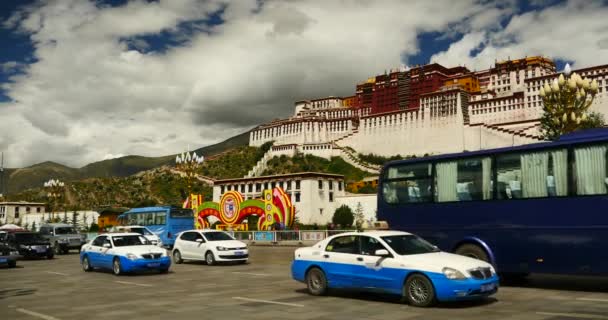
x: 419, y: 291
x: 50, y: 255
x: 243, y: 262
x: 473, y: 251
x: 12, y: 264
x: 116, y: 267
x: 209, y: 258
x: 177, y: 257
x: 316, y: 282
x: 163, y: 271
x: 86, y: 265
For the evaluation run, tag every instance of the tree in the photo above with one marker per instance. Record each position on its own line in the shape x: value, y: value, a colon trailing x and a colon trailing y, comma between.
x: 359, y: 217
x: 74, y: 221
x: 94, y: 227
x: 343, y: 216
x: 565, y: 105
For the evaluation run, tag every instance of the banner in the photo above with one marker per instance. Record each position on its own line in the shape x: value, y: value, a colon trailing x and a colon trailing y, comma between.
x: 263, y: 236
x: 313, y: 235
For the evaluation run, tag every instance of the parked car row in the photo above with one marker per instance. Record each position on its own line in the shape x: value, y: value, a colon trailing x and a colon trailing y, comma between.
x: 392, y: 262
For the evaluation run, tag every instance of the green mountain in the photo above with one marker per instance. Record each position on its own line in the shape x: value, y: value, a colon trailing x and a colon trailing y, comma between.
x: 34, y: 176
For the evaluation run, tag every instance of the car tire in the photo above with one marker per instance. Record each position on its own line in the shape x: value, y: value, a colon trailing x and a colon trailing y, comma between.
x: 50, y: 255
x: 12, y: 264
x: 209, y: 258
x: 163, y: 271
x: 473, y: 251
x: 419, y: 291
x: 116, y: 267
x: 243, y: 262
x: 86, y: 264
x: 316, y: 282
x: 177, y: 257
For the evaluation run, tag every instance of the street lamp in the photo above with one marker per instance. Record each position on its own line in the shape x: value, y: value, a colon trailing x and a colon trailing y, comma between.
x: 567, y: 99
x: 188, y: 164
x: 54, y: 191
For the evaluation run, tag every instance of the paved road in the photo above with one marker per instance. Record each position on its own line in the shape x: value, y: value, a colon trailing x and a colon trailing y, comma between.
x: 262, y: 289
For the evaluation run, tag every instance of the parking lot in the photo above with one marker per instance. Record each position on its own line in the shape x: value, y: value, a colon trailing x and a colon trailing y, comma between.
x: 262, y: 289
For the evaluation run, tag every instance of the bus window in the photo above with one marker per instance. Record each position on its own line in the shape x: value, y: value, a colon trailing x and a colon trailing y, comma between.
x: 182, y: 213
x: 464, y: 180
x: 413, y: 183
x: 533, y: 175
x: 160, y: 218
x: 590, y: 170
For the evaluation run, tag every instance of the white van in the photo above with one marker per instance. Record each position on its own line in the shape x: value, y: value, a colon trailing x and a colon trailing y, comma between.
x: 151, y: 236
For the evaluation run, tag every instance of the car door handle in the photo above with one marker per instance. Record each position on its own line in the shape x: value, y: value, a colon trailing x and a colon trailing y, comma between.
x: 359, y: 258
x: 325, y: 256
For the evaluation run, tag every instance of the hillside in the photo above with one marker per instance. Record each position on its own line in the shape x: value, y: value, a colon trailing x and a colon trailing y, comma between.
x: 35, y: 175
x: 163, y: 186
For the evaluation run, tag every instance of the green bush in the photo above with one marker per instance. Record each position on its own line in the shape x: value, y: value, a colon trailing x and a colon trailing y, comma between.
x: 343, y: 216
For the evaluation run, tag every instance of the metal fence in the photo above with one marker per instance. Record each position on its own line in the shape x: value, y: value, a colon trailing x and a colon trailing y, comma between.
x: 274, y: 236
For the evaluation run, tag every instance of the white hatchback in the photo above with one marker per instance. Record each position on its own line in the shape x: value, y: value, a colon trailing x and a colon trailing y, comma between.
x: 210, y: 246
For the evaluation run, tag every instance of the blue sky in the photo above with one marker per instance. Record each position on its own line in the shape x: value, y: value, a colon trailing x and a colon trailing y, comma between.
x: 82, y: 80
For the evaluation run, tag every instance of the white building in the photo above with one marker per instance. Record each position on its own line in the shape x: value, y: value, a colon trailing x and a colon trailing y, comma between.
x: 368, y: 202
x: 313, y: 194
x: 505, y: 112
x: 17, y: 212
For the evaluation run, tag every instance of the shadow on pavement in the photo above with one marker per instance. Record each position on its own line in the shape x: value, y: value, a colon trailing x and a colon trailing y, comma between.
x: 394, y: 299
x: 559, y: 282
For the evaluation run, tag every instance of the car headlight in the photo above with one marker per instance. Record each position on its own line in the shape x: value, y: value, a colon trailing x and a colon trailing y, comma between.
x: 14, y: 253
x: 22, y: 246
x: 163, y: 254
x: 221, y: 248
x: 131, y: 256
x: 453, y: 274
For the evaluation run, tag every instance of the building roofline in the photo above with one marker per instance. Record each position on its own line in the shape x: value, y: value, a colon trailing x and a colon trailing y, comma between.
x: 278, y: 176
x: 555, y: 75
x: 22, y: 203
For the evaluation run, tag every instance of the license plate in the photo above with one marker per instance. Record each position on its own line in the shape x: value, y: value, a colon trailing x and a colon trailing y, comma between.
x: 40, y: 249
x: 487, y: 287
x: 239, y: 253
x: 2, y: 260
x: 153, y: 265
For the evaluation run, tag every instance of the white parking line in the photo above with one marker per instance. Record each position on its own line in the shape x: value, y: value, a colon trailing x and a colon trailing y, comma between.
x: 573, y: 315
x: 253, y: 274
x: 134, y: 284
x: 592, y: 299
x: 36, y: 314
x: 59, y: 273
x: 270, y: 302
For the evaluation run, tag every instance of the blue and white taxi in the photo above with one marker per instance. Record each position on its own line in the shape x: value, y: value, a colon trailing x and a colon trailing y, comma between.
x: 393, y: 262
x: 122, y: 253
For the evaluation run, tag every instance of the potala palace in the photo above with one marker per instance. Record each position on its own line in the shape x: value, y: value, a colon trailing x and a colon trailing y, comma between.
x: 424, y: 109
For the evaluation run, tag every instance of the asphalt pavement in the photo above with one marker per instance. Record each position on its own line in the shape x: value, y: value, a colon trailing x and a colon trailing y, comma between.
x: 263, y: 289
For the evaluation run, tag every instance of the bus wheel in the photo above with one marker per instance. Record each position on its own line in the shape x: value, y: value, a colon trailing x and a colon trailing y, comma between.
x: 473, y: 251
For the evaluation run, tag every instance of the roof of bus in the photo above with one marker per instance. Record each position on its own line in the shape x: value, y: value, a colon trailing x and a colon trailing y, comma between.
x: 590, y: 135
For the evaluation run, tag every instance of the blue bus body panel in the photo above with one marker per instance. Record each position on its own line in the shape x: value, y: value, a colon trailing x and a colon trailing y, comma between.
x: 564, y: 235
x: 170, y: 229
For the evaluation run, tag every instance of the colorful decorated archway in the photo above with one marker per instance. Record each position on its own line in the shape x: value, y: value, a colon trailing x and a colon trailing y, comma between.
x: 275, y: 208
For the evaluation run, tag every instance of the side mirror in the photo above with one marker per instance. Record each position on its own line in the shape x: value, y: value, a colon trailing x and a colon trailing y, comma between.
x: 382, y: 253
x: 199, y: 240
x: 107, y: 245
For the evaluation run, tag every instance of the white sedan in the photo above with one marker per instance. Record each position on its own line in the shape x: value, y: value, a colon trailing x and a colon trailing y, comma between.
x: 210, y: 246
x: 151, y: 236
x: 392, y: 262
x: 123, y: 252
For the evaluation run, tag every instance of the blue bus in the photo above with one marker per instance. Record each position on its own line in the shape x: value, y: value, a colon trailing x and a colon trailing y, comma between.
x: 164, y: 221
x: 537, y: 208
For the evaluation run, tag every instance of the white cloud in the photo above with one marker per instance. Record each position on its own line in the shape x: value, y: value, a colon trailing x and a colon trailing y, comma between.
x: 575, y: 31
x: 112, y: 156
x: 90, y: 94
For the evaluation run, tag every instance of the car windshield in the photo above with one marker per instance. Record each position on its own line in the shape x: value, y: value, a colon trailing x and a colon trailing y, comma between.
x: 142, y: 231
x: 217, y: 236
x: 28, y: 237
x: 409, y: 244
x: 131, y: 240
x: 65, y: 230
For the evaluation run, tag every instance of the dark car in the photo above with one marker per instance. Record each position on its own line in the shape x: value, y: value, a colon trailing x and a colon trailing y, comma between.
x: 8, y: 256
x: 30, y: 244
